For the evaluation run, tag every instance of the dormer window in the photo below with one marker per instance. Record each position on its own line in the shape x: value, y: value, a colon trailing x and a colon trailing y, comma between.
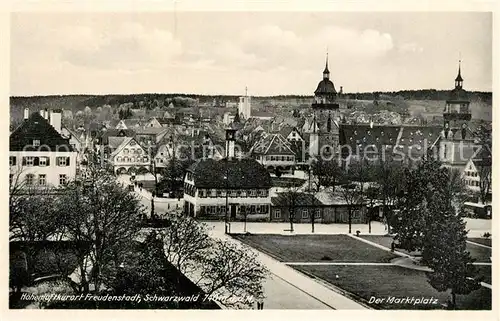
x: 36, y: 142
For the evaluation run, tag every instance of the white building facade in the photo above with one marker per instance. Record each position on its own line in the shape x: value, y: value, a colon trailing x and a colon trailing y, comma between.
x: 39, y: 155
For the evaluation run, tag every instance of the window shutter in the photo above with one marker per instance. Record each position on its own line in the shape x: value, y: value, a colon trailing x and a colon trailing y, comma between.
x: 36, y: 161
x: 47, y: 159
x: 67, y: 161
x: 24, y: 160
x: 14, y: 159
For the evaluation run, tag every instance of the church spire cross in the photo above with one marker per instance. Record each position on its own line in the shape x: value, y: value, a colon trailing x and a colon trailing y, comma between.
x: 326, y: 72
x: 459, y: 80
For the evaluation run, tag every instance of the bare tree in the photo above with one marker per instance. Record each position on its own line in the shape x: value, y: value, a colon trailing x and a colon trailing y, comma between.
x: 102, y: 212
x: 289, y: 199
x: 218, y: 267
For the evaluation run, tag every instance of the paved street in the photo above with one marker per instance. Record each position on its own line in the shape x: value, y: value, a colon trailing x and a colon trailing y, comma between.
x: 286, y: 288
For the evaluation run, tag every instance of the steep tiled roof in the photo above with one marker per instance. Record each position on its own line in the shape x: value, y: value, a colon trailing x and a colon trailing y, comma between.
x: 272, y: 145
x: 115, y: 142
x: 256, y: 113
x: 419, y: 135
x: 363, y: 134
x: 327, y: 198
x: 151, y: 131
x: 300, y: 199
x: 242, y: 174
x: 37, y: 128
x: 113, y: 132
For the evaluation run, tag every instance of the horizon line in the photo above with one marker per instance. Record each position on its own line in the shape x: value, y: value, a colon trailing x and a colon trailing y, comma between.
x: 235, y: 95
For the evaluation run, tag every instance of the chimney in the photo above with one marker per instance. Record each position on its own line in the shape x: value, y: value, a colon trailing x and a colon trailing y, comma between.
x: 26, y: 113
x: 46, y: 114
x: 55, y: 120
x: 230, y: 142
x: 42, y: 113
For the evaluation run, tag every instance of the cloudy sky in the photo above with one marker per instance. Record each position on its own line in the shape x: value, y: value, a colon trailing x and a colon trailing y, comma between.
x: 271, y: 53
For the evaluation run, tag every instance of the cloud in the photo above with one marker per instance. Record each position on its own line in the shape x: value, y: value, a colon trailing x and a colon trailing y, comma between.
x: 127, y: 46
x: 410, y: 47
x: 272, y: 47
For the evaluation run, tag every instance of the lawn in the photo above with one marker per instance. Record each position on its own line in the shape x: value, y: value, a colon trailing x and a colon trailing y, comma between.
x: 480, y: 240
x: 383, y: 281
x: 481, y: 254
x: 315, y: 248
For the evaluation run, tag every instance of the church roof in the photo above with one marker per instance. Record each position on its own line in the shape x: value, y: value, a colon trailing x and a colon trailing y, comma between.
x: 459, y: 76
x: 458, y: 94
x: 325, y: 86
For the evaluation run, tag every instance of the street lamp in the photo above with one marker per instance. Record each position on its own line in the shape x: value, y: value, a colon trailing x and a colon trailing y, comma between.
x: 103, y: 131
x: 227, y: 201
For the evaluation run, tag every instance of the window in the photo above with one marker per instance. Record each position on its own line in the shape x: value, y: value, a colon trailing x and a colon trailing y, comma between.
x: 305, y: 214
x: 62, y: 161
x: 11, y: 178
x: 145, y: 159
x: 317, y: 213
x: 213, y: 193
x: 125, y: 159
x: 233, y: 193
x: 29, y: 179
x: 118, y: 158
x: 62, y: 179
x: 253, y: 193
x: 132, y: 151
x: 125, y: 151
x: 29, y: 161
x: 277, y: 213
x: 36, y: 142
x: 12, y: 160
x: 219, y: 193
x: 273, y: 158
x: 355, y: 214
x: 44, y: 161
x: 252, y: 208
x: 42, y: 179
x: 263, y: 209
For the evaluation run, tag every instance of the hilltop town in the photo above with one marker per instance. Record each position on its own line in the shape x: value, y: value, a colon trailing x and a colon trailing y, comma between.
x: 348, y: 176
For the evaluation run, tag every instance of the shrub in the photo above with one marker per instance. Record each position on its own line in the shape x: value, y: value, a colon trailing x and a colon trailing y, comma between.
x: 326, y: 258
x: 487, y: 235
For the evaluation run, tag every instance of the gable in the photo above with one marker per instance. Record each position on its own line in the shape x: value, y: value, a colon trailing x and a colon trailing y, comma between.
x: 37, y: 128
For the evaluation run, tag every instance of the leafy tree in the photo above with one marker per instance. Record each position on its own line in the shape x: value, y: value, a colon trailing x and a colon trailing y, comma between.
x: 444, y: 249
x: 415, y: 217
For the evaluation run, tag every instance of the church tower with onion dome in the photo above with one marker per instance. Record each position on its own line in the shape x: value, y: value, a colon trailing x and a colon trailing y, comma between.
x: 324, y: 140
